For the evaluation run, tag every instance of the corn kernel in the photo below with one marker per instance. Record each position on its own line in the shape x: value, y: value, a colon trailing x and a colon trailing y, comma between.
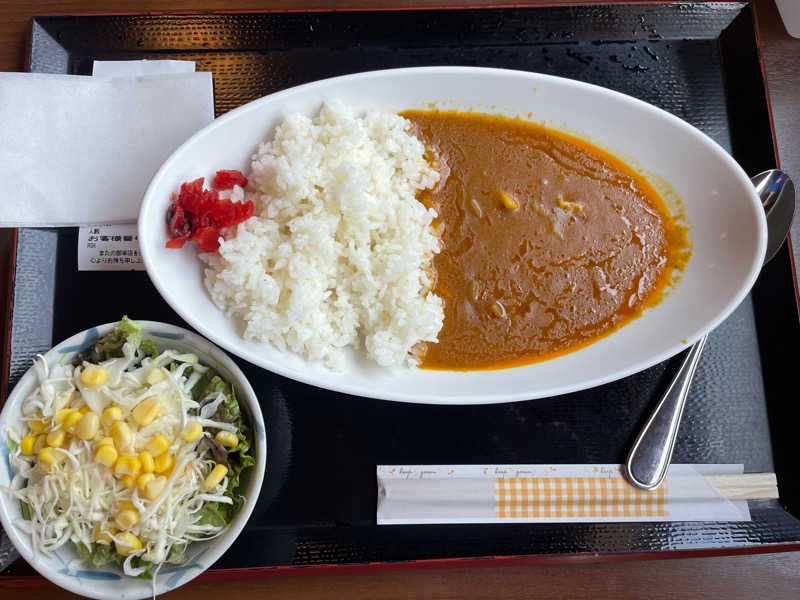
x: 88, y: 426
x: 50, y: 456
x: 71, y: 421
x: 135, y: 466
x: 111, y: 414
x: 105, y: 441
x: 62, y: 415
x: 157, y: 446
x: 155, y: 376
x: 127, y: 543
x: 128, y: 481
x: 146, y: 459
x: 227, y: 439
x: 93, y: 375
x: 154, y: 487
x: 103, y: 533
x: 37, y: 426
x: 143, y: 480
x: 508, y: 201
x: 213, y: 478
x: 121, y: 434
x: 127, y: 505
x: 27, y: 444
x: 163, y: 463
x: 192, y: 431
x: 127, y: 518
x: 41, y: 442
x: 56, y: 438
x: 146, y: 411
x: 106, y: 455
x: 127, y: 465
x: 84, y: 409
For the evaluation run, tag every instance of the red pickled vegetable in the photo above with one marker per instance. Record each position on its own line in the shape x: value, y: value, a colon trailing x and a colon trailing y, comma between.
x: 177, y: 242
x: 206, y: 238
x: 199, y: 215
x: 225, y: 180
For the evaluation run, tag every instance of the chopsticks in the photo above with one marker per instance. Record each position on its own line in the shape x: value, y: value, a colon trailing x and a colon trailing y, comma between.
x: 745, y: 486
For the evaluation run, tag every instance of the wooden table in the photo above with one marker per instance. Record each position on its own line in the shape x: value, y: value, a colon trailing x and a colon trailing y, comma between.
x: 753, y: 576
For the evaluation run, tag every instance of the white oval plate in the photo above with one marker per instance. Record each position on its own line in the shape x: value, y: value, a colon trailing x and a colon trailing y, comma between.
x: 728, y: 228
x: 108, y: 582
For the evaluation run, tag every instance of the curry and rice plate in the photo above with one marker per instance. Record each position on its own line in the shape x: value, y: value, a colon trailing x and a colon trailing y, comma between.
x: 447, y: 240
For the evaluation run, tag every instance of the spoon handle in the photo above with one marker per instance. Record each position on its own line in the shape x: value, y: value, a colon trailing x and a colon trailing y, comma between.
x: 651, y: 453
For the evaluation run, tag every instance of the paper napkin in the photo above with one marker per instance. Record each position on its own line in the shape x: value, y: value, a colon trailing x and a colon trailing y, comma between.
x: 128, y: 68
x: 81, y: 150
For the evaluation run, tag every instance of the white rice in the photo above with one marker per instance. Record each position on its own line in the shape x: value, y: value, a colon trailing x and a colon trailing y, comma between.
x: 339, y: 248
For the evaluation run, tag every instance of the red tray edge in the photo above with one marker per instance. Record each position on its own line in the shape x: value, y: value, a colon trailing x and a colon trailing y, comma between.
x: 444, y: 6
x: 30, y: 581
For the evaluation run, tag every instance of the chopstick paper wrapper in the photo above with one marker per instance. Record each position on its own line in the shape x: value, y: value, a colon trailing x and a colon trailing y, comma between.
x: 558, y: 494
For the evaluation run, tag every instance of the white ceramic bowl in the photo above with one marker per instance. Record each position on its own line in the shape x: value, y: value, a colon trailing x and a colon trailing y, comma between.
x: 728, y: 228
x: 109, y: 582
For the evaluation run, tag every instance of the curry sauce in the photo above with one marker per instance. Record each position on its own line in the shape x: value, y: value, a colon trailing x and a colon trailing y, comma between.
x: 548, y: 243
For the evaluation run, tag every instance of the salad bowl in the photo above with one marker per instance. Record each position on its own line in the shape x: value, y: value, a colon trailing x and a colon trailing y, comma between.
x: 64, y: 566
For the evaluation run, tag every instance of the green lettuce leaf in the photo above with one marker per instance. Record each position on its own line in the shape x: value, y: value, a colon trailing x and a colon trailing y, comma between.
x: 149, y: 347
x: 228, y: 411
x: 173, y: 366
x: 177, y: 554
x: 211, y: 383
x: 215, y: 513
x: 102, y: 554
x: 130, y: 330
x: 243, y: 458
x: 110, y: 345
x: 243, y: 447
x: 137, y: 562
x: 238, y: 459
x: 218, y: 514
x: 84, y: 552
x: 199, y: 389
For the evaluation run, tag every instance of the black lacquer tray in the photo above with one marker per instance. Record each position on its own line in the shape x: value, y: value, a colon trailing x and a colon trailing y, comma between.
x: 317, y: 507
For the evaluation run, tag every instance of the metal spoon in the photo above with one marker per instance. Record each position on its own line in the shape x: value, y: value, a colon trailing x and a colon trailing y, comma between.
x: 652, y: 451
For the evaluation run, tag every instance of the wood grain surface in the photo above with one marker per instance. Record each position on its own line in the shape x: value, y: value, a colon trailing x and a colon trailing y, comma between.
x: 764, y: 576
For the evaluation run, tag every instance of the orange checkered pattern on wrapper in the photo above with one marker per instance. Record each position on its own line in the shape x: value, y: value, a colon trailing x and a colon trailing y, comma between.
x: 577, y: 497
